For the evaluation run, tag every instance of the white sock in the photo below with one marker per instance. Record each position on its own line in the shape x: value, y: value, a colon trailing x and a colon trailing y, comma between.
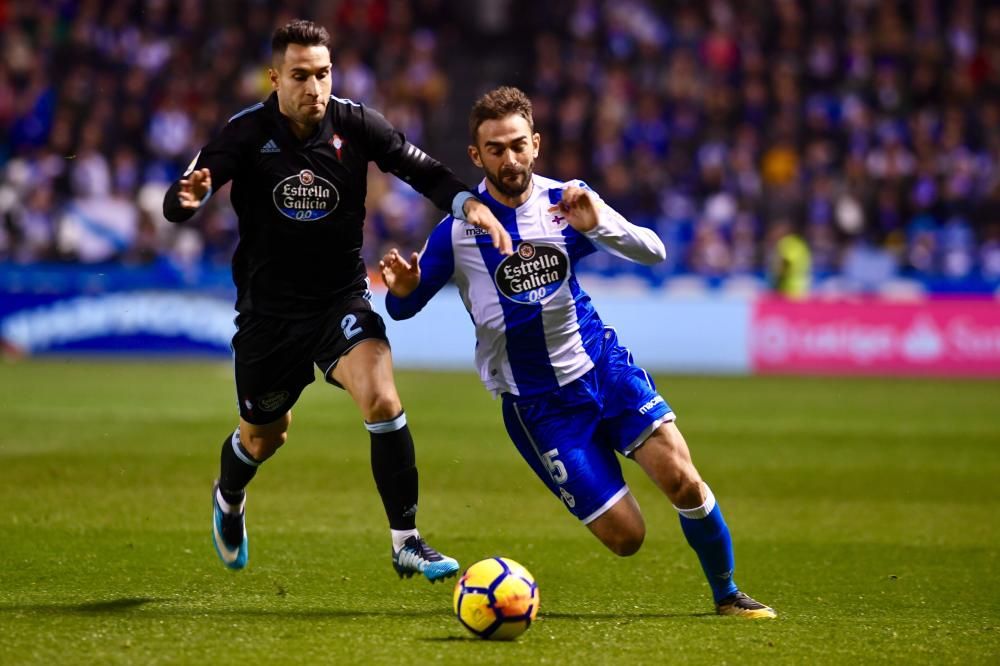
x: 226, y: 506
x: 399, y: 537
x: 703, y: 510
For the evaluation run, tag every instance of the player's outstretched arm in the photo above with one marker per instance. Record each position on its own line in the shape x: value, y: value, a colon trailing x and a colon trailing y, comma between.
x: 412, y: 284
x: 477, y: 213
x: 400, y: 277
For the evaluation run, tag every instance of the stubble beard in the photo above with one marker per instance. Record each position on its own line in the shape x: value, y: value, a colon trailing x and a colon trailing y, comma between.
x: 301, y: 116
x: 512, y: 191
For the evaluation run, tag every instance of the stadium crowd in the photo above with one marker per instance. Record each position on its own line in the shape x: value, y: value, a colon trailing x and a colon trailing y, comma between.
x: 869, y: 128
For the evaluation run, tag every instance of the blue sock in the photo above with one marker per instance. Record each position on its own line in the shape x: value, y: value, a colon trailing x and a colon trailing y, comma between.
x: 706, y: 532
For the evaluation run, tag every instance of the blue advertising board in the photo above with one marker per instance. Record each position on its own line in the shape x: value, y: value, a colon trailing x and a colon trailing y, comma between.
x: 127, y: 322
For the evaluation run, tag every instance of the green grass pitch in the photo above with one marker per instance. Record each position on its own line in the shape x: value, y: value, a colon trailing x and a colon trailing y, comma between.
x: 865, y: 511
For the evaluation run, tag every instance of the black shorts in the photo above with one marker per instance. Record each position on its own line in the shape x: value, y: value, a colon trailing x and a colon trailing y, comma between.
x: 275, y: 357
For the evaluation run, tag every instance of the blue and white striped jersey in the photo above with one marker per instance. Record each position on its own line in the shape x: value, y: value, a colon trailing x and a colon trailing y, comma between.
x: 536, y: 329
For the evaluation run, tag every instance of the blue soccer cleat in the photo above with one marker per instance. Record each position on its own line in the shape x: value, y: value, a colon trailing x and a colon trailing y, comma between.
x: 229, y: 533
x: 415, y: 556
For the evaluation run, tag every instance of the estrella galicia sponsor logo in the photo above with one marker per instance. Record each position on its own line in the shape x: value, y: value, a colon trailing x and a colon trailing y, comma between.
x: 305, y: 196
x: 271, y: 401
x: 533, y: 273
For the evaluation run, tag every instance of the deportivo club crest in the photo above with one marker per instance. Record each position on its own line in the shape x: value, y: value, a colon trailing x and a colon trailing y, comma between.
x: 533, y: 273
x: 305, y: 197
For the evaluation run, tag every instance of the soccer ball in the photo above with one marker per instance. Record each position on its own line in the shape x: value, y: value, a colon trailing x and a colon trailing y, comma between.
x: 496, y: 599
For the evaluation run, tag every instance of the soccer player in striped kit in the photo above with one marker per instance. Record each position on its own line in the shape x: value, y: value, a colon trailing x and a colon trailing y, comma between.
x: 573, y: 398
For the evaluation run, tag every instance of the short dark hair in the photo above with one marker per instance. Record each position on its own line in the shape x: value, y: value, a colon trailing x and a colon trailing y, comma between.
x: 301, y: 32
x: 500, y: 103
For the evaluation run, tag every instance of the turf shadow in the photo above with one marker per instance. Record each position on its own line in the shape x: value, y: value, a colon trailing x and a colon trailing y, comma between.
x: 624, y: 616
x: 122, y: 605
x: 112, y: 606
x: 126, y: 605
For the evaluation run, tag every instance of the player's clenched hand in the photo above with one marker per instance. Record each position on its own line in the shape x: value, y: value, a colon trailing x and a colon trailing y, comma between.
x: 579, y: 207
x: 194, y: 188
x: 400, y: 276
x: 477, y: 213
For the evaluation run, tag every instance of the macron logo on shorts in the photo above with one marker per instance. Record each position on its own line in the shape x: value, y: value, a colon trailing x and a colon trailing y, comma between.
x: 649, y: 405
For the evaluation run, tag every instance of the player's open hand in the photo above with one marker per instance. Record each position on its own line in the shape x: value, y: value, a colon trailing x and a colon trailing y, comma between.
x: 579, y: 207
x: 478, y: 214
x: 194, y: 188
x: 400, y: 276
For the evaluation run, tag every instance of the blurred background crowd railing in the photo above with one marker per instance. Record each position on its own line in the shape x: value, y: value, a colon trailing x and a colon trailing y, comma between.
x: 854, y: 141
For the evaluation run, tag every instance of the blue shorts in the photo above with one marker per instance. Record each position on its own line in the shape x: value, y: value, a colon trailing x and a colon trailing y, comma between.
x: 570, y: 436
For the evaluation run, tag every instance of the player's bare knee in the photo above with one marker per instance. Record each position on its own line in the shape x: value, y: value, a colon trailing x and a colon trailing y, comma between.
x: 263, y: 445
x: 681, y: 482
x: 261, y: 442
x: 382, y: 407
x: 631, y: 544
x: 627, y: 541
x: 621, y: 529
x: 688, y: 490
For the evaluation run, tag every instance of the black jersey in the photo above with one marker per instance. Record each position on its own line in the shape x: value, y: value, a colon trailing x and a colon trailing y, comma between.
x: 301, y: 204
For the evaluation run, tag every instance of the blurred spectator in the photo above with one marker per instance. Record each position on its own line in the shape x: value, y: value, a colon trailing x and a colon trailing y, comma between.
x: 96, y: 229
x: 990, y: 252
x: 709, y: 255
x: 866, y: 265
x: 34, y: 227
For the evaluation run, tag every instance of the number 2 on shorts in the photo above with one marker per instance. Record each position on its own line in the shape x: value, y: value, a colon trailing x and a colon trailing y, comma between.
x: 349, y: 325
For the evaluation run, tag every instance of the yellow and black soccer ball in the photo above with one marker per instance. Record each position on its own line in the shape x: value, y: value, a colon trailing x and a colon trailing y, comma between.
x: 496, y: 598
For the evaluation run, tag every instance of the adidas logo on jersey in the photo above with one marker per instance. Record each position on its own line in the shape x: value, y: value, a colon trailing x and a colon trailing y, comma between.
x: 270, y: 147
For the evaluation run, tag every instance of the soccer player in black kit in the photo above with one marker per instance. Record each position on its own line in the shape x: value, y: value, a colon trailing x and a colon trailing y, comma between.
x: 299, y: 162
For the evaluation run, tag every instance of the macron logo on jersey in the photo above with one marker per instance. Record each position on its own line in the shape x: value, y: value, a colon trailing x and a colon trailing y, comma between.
x: 270, y: 147
x: 649, y: 405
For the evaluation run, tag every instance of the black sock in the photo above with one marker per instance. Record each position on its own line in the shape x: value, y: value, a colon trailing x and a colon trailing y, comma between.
x: 395, y: 471
x: 235, y: 469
